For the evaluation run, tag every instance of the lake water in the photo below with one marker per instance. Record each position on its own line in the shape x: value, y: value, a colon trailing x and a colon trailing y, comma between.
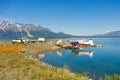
x: 96, y: 61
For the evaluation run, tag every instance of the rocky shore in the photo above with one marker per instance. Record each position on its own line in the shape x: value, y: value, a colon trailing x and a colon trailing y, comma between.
x: 42, y: 47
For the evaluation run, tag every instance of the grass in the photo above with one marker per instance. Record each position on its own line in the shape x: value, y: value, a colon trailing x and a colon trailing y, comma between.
x: 17, y: 66
x: 114, y: 77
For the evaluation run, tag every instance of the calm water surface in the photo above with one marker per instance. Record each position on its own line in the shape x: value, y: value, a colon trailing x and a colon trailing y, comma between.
x: 96, y: 61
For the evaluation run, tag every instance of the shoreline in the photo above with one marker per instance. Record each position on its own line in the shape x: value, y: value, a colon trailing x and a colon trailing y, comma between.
x: 18, y: 65
x: 28, y: 53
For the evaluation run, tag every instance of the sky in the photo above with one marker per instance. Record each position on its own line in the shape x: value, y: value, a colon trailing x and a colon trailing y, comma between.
x: 77, y: 17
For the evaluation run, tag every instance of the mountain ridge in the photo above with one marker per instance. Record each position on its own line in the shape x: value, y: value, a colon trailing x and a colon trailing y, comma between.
x: 16, y: 30
x: 109, y: 34
x: 113, y: 33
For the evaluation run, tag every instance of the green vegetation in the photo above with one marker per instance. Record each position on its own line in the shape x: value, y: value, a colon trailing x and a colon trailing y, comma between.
x: 10, y: 44
x: 17, y: 66
x: 114, y: 77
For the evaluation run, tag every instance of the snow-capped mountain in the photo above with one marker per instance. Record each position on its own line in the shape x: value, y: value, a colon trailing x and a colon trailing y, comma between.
x: 17, y: 30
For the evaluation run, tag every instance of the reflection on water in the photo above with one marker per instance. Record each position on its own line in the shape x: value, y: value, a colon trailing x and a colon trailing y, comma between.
x: 59, y: 53
x: 77, y: 52
x: 41, y: 55
x: 83, y: 52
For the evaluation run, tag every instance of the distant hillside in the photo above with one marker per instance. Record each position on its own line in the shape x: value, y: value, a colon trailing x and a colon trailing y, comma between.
x: 113, y: 33
x: 10, y: 30
x: 109, y: 34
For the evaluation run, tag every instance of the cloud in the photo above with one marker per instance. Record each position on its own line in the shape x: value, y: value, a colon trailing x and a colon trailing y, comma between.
x: 5, y: 19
